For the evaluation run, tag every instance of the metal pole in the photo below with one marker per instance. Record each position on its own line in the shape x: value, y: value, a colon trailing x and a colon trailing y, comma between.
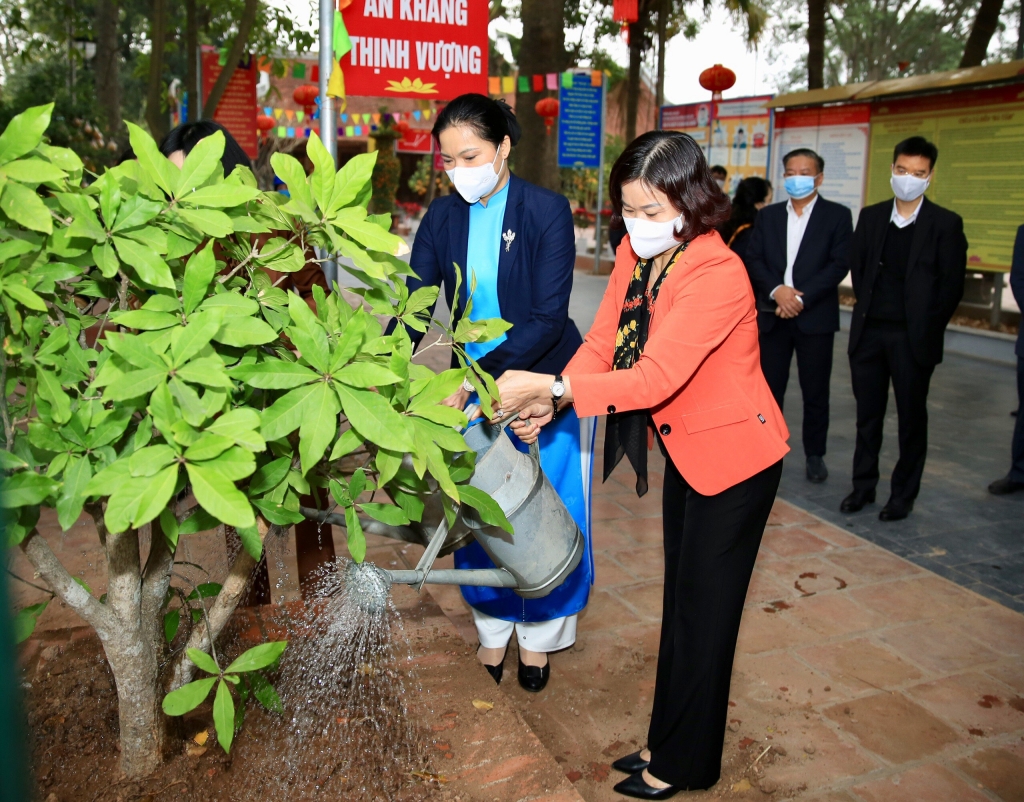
x: 328, y: 132
x: 600, y: 183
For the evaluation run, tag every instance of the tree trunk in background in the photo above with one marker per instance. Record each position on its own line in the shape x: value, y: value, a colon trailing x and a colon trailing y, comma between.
x: 238, y: 48
x: 541, y: 51
x: 636, y: 54
x: 156, y: 118
x: 981, y: 33
x: 1020, y: 35
x: 660, y: 94
x: 107, y: 66
x: 191, y: 58
x: 815, y: 44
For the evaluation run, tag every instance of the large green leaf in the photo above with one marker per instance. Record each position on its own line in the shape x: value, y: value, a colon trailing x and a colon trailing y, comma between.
x: 158, y: 494
x: 313, y: 347
x: 285, y: 415
x: 274, y: 374
x: 201, y: 163
x: 77, y: 476
x: 25, y: 488
x: 265, y: 694
x: 269, y: 476
x: 356, y: 538
x: 110, y: 478
x: 219, y: 496
x: 257, y: 657
x: 242, y: 426
x: 135, y: 211
x: 189, y: 340
x: 208, y: 221
x: 24, y: 132
x: 146, y: 320
x: 187, y: 697
x: 134, y: 384
x: 487, y: 508
x: 198, y: 275
x: 151, y: 268
x: 134, y: 350
x: 221, y: 196
x: 349, y: 441
x: 242, y: 332
x: 51, y: 391
x: 250, y: 537
x: 148, y: 461
x: 374, y: 237
x: 351, y: 180
x: 25, y: 620
x: 289, y: 170
x: 34, y: 172
x: 124, y: 503
x: 224, y: 715
x: 319, y: 425
x: 374, y: 418
x: 444, y: 436
x: 385, y: 513
x: 156, y: 166
x: 24, y: 206
x: 198, y: 521
x: 207, y: 447
x: 436, y: 389
x: 366, y: 374
x: 323, y: 171
x: 23, y: 295
x: 204, y: 661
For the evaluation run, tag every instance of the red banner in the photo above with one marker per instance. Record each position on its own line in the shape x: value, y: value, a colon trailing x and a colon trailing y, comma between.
x: 237, y: 108
x: 817, y: 116
x: 414, y: 141
x: 427, y: 49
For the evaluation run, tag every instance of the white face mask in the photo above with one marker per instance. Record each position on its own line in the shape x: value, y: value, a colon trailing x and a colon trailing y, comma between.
x: 908, y: 187
x: 648, y: 238
x: 473, y: 183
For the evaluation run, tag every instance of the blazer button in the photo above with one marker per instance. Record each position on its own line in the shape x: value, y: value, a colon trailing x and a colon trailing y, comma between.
x: 665, y: 429
x: 611, y: 409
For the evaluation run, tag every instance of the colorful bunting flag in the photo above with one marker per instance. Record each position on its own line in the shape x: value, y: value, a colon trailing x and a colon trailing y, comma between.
x: 417, y: 114
x: 494, y: 85
x: 315, y: 74
x: 268, y: 110
x: 289, y: 114
x: 366, y: 119
x: 567, y: 78
x: 359, y: 130
x: 344, y: 118
x: 508, y: 85
x: 278, y: 113
x: 524, y: 83
x: 341, y: 131
x: 291, y: 133
x: 342, y: 43
x: 427, y: 113
x: 282, y: 132
x: 595, y: 78
x: 552, y: 82
x: 538, y: 83
x: 299, y: 70
x: 349, y: 131
x: 375, y: 118
x: 299, y: 115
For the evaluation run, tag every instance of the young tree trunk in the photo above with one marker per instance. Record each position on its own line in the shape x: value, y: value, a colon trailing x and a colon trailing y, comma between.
x: 541, y: 51
x: 662, y: 37
x: 984, y: 27
x: 156, y: 119
x: 191, y: 60
x: 107, y: 65
x: 234, y: 55
x: 636, y: 55
x: 815, y: 44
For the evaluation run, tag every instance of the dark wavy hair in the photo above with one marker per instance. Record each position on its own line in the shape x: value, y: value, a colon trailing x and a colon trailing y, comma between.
x: 673, y: 163
x: 492, y: 120
x: 751, y: 191
x: 187, y: 135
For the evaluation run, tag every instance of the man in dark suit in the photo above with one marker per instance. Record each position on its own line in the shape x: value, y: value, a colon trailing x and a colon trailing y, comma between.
x: 1014, y: 480
x: 797, y: 255
x: 908, y: 261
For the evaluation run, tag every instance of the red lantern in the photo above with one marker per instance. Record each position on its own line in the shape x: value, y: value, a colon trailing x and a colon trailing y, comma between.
x: 306, y: 96
x: 264, y: 124
x: 625, y: 11
x: 402, y: 127
x: 547, y: 108
x: 717, y: 79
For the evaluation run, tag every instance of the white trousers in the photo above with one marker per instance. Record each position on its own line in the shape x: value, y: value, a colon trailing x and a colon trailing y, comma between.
x: 538, y: 636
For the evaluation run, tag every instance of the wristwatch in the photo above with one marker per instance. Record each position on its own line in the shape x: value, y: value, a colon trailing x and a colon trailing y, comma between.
x: 467, y: 386
x: 557, y: 391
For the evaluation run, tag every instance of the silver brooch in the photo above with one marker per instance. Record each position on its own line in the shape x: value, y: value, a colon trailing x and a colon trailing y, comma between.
x: 508, y: 236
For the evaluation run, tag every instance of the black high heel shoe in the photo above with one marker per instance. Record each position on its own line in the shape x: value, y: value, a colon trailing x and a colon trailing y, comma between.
x: 635, y: 786
x: 631, y: 764
x: 532, y: 678
x: 497, y: 671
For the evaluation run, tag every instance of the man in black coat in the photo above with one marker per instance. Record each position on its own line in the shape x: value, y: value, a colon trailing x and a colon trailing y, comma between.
x: 1014, y: 480
x: 797, y: 255
x: 908, y: 262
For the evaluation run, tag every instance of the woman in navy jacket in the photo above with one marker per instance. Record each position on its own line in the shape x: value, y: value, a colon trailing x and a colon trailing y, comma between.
x: 517, y: 241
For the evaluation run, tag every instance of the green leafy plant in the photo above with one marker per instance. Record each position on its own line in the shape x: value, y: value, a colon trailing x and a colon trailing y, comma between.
x: 155, y: 378
x: 243, y: 673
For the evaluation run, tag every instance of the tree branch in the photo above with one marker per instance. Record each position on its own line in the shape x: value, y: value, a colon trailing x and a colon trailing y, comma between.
x: 39, y: 553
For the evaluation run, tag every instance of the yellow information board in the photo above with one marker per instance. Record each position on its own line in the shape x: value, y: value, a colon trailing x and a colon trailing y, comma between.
x: 980, y: 171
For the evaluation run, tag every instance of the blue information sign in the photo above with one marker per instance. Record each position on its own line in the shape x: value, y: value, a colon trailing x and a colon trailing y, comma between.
x: 579, y: 123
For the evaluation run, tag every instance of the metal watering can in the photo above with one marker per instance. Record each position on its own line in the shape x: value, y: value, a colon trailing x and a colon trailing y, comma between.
x: 546, y: 545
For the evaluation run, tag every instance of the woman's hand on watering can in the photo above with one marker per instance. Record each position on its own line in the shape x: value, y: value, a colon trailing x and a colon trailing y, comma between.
x: 519, y: 389
x: 528, y: 425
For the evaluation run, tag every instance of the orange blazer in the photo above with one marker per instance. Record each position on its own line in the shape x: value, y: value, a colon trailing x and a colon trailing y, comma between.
x: 700, y: 372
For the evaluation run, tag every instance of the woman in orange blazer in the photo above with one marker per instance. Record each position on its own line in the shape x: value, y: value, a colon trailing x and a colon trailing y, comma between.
x: 674, y: 350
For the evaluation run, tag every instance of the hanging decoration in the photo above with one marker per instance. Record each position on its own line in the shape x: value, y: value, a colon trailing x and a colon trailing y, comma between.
x: 717, y: 79
x: 264, y: 123
x: 547, y: 108
x: 625, y: 11
x: 306, y: 96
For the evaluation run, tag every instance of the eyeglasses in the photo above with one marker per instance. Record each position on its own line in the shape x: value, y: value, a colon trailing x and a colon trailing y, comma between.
x: 915, y: 173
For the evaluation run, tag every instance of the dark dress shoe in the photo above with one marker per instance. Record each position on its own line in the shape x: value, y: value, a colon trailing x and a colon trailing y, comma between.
x: 895, y: 510
x: 816, y: 470
x: 635, y: 787
x: 532, y: 678
x: 497, y: 671
x: 856, y: 500
x: 1005, y: 486
x: 631, y: 764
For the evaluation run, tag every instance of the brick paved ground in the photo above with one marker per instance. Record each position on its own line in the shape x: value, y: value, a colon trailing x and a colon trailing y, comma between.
x: 879, y: 680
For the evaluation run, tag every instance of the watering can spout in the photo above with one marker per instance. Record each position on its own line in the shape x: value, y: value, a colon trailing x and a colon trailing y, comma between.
x: 481, y: 577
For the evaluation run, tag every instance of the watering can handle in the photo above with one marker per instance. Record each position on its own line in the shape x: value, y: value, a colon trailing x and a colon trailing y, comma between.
x: 534, y: 446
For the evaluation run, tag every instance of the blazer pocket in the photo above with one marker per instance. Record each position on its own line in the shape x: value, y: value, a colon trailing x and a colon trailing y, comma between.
x: 713, y: 418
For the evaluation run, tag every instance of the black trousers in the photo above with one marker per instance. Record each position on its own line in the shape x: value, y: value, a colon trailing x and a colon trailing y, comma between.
x: 814, y: 366
x: 1017, y: 468
x: 882, y: 356
x: 711, y: 543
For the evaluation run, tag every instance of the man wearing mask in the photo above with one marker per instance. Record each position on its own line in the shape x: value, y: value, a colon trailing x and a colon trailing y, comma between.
x: 721, y: 175
x: 798, y: 254
x: 908, y: 261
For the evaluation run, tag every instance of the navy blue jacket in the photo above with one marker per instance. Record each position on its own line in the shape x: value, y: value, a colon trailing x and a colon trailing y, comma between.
x: 534, y: 274
x: 1017, y: 283
x: 934, y: 282
x: 821, y: 263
